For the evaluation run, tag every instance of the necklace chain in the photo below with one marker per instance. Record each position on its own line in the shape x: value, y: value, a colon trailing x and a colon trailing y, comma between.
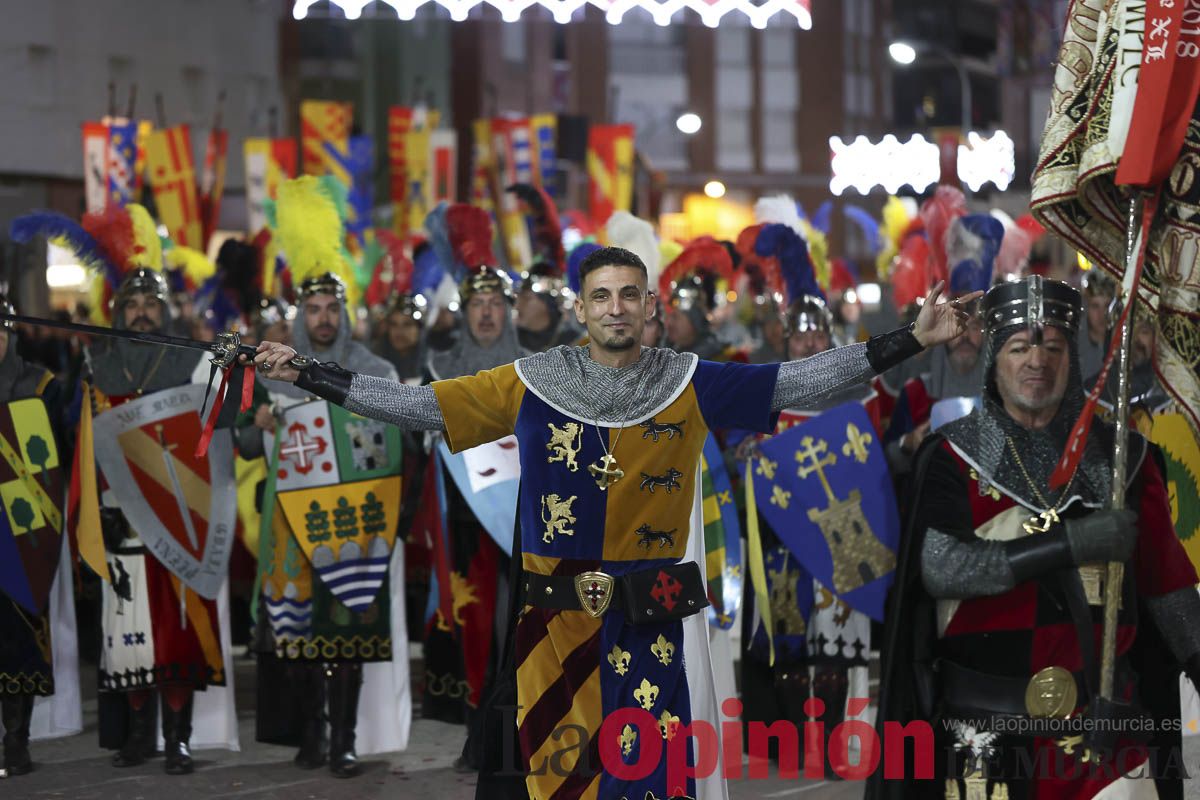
x: 153, y: 369
x: 621, y: 419
x: 1033, y: 486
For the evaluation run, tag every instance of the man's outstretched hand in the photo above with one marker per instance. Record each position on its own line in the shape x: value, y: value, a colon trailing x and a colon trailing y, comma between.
x: 272, y: 361
x: 940, y: 321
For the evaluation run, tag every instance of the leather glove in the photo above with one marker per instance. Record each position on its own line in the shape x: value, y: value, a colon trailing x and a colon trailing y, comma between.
x: 1102, y: 536
x: 326, y: 380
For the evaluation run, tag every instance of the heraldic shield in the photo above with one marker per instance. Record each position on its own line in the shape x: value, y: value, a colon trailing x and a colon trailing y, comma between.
x: 337, y: 482
x: 31, y: 490
x: 182, y: 507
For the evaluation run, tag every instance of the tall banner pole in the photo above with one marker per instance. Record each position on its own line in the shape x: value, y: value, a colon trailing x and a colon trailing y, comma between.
x: 1116, y: 569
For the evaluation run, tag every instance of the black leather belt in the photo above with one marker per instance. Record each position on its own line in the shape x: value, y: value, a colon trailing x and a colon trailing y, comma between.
x: 658, y: 594
x: 970, y: 694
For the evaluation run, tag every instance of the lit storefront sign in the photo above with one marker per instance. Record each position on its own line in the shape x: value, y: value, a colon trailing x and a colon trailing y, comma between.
x: 662, y: 11
x: 863, y: 165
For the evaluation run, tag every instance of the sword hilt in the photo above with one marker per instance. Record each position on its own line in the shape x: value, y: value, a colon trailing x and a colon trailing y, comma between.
x: 228, y: 347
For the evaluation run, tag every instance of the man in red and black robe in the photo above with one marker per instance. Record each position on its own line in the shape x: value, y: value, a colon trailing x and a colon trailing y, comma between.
x: 995, y: 622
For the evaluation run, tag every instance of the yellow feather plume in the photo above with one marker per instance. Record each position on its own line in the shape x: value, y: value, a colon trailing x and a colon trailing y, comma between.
x: 818, y: 253
x: 895, y: 222
x: 98, y: 311
x: 196, y: 266
x: 147, y: 250
x: 669, y: 250
x: 310, y: 231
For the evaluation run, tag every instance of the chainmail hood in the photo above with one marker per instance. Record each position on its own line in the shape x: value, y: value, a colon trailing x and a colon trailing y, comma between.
x: 983, y: 439
x: 569, y: 380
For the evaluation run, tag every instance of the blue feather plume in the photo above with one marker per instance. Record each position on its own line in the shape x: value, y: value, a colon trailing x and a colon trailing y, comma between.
x: 867, y: 224
x: 575, y: 261
x: 974, y: 248
x: 823, y: 219
x: 427, y: 271
x: 439, y: 241
x: 53, y: 225
x: 791, y: 252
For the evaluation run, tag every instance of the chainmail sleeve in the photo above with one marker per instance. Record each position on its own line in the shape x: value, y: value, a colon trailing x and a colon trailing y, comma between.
x: 411, y: 408
x: 955, y: 569
x: 809, y: 382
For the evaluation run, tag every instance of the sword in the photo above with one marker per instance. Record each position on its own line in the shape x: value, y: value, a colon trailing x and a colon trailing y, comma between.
x: 225, y: 349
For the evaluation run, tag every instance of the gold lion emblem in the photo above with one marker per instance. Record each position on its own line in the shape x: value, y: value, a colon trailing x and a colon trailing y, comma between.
x: 564, y: 444
x: 556, y: 514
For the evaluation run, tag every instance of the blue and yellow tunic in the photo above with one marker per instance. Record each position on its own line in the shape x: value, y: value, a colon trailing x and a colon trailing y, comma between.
x: 574, y: 669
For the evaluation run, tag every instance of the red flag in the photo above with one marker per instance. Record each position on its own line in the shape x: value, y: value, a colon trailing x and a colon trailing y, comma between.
x: 1168, y: 83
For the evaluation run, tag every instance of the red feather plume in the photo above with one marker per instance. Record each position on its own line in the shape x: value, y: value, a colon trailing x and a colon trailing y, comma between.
x: 702, y: 256
x: 470, y: 233
x: 112, y: 229
x: 762, y: 271
x: 401, y: 269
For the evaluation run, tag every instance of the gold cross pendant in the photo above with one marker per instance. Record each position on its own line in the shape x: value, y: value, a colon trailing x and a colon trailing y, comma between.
x: 606, y: 471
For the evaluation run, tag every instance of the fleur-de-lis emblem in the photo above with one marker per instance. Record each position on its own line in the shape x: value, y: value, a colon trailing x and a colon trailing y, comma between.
x: 857, y: 443
x: 619, y: 659
x: 668, y: 723
x: 646, y: 694
x: 628, y: 737
x: 766, y: 468
x: 663, y: 650
x: 780, y: 497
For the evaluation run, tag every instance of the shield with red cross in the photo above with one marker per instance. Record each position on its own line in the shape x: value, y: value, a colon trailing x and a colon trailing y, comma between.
x: 337, y: 487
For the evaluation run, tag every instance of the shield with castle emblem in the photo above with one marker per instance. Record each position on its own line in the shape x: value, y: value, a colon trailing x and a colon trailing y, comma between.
x: 338, y: 483
x: 182, y: 506
x: 824, y: 487
x: 31, y: 497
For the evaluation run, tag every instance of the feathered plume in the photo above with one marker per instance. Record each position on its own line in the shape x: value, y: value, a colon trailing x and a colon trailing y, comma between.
x: 971, y: 247
x: 866, y: 223
x: 637, y: 236
x: 823, y: 219
x: 192, y: 265
x: 65, y: 232
x: 782, y: 243
x: 705, y: 257
x: 428, y: 270
x: 309, y: 226
x: 761, y: 271
x: 147, y: 245
x: 818, y: 251
x: 575, y: 261
x: 891, y: 232
x: 393, y: 272
x: 470, y: 232
x: 439, y: 236
x: 946, y: 205
x: 545, y: 229
x: 781, y: 209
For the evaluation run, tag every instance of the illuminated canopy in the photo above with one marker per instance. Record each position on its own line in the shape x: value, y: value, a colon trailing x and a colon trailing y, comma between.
x: 864, y: 165
x: 759, y: 12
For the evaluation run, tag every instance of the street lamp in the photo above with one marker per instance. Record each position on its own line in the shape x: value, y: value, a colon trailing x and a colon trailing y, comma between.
x: 905, y: 53
x: 688, y: 123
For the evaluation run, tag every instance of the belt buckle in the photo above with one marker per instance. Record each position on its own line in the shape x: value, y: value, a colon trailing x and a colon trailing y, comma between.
x: 1051, y: 694
x: 595, y: 592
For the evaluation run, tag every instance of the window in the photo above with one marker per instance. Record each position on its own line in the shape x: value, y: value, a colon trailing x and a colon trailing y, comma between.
x: 734, y: 99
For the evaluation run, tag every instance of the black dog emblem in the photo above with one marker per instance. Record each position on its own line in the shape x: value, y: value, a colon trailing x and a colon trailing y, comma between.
x: 647, y: 537
x: 654, y: 429
x: 669, y: 481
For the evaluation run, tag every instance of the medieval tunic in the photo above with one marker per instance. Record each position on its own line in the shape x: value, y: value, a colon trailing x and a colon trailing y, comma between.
x: 1022, y: 631
x: 573, y: 669
x: 25, y: 649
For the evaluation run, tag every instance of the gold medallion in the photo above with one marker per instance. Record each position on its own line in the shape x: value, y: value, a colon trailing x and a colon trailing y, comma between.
x: 594, y: 590
x: 1051, y: 694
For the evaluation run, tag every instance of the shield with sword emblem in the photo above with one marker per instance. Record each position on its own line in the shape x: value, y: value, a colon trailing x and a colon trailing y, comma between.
x: 182, y: 507
x: 30, y: 496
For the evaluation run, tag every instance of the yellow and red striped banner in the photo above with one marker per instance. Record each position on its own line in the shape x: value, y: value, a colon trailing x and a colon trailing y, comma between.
x: 324, y: 122
x: 410, y: 159
x: 443, y: 166
x: 173, y: 180
x: 482, y: 160
x: 610, y: 170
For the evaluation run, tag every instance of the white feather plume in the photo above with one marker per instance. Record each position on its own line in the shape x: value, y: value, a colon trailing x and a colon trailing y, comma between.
x: 780, y: 208
x: 637, y: 236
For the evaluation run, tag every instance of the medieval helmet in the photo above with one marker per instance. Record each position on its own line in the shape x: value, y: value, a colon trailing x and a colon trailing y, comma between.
x: 1033, y: 303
